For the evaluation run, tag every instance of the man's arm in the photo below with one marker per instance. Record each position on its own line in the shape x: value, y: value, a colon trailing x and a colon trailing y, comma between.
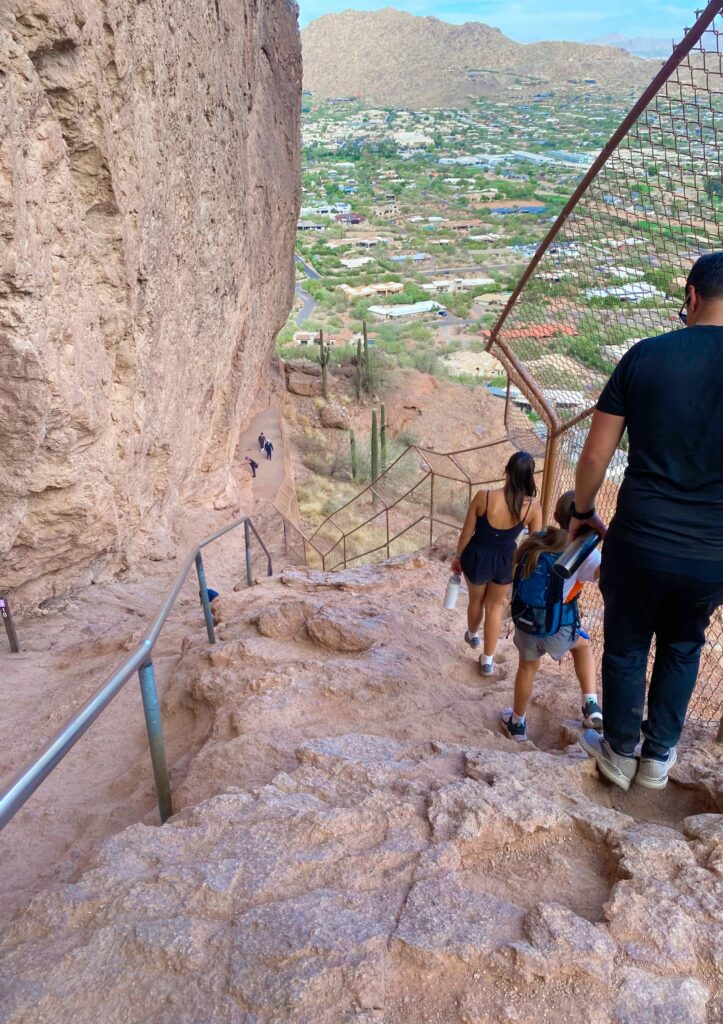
x: 602, y: 440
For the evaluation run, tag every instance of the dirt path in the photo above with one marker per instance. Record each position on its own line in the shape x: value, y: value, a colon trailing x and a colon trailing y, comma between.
x: 67, y: 650
x: 270, y: 474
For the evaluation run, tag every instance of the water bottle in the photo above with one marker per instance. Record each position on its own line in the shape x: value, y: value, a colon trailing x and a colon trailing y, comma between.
x: 452, y: 592
x: 575, y: 554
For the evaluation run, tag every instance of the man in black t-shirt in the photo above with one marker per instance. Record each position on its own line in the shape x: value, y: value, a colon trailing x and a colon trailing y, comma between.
x: 662, y: 567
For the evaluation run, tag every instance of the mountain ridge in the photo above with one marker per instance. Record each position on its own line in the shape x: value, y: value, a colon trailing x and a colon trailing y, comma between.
x: 398, y: 59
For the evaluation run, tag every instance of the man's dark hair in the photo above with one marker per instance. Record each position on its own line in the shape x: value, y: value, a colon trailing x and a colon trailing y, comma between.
x: 707, y: 276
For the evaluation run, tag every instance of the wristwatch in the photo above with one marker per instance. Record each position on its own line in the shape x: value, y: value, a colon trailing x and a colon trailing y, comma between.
x: 581, y: 515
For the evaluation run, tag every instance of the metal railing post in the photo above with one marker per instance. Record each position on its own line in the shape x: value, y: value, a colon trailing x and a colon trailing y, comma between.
x: 154, y: 727
x: 431, y: 511
x: 7, y: 618
x: 203, y: 589
x: 719, y: 735
x: 247, y: 543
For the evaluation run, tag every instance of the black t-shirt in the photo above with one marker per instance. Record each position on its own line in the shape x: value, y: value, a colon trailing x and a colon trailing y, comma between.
x: 670, y: 391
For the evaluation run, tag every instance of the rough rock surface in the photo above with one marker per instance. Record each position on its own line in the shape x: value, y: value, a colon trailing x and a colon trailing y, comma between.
x: 149, y: 187
x: 358, y: 842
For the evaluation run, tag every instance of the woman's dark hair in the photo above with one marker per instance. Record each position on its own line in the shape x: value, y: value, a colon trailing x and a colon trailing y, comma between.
x: 519, y: 483
x: 554, y: 539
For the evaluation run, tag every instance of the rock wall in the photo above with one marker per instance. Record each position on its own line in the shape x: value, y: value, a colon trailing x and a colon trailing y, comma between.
x: 149, y: 188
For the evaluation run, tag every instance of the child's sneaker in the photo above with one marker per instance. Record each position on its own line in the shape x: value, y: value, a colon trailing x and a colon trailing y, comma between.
x: 592, y: 717
x: 473, y: 641
x: 486, y: 668
x: 515, y: 730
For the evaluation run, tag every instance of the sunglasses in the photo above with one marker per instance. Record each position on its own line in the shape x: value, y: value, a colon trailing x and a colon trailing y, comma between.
x: 683, y: 313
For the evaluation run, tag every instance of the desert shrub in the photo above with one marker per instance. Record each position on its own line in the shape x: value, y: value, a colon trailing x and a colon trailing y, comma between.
x: 428, y: 362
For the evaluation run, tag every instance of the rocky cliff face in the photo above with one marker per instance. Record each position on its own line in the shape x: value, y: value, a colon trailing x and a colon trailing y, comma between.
x: 149, y: 158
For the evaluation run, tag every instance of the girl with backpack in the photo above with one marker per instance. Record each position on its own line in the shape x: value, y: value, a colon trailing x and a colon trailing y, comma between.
x: 547, y: 620
x: 486, y: 549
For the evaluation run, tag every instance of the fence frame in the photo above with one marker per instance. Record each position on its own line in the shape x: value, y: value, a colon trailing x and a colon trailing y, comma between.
x: 515, y: 366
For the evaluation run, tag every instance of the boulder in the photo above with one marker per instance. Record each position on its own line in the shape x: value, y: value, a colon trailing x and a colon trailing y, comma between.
x: 303, y: 385
x: 340, y: 631
x: 334, y: 417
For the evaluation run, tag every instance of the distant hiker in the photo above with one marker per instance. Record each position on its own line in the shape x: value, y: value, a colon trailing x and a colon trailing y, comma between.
x: 268, y: 448
x: 486, y: 547
x: 262, y: 441
x: 253, y: 466
x: 547, y: 620
x: 662, y: 562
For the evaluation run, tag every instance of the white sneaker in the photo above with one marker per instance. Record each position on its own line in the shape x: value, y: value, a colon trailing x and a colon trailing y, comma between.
x: 618, y: 769
x: 653, y: 774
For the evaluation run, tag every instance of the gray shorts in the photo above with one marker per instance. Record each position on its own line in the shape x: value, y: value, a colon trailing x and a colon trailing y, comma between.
x: 533, y: 647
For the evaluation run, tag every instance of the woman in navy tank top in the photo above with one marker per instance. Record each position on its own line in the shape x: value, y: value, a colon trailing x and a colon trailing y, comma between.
x: 486, y: 548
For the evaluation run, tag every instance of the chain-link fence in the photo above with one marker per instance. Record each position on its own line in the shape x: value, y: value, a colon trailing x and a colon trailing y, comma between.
x: 612, y: 270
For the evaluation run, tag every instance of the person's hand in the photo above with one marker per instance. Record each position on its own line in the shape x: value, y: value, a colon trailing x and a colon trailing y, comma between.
x: 578, y: 526
x: 456, y: 566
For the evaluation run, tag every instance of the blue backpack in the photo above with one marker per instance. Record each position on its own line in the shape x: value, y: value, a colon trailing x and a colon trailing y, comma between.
x: 537, y: 600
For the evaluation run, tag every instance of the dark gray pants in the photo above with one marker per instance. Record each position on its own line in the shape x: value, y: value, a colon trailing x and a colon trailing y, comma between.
x: 641, y: 603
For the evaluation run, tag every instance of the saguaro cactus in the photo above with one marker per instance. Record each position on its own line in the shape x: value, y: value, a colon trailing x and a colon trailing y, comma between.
x: 383, y: 434
x: 367, y: 368
x: 324, y: 360
x: 352, y: 450
x: 358, y: 369
x: 375, y: 447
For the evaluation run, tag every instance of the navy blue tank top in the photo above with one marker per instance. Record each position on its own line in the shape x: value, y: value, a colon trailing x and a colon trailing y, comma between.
x: 485, y: 535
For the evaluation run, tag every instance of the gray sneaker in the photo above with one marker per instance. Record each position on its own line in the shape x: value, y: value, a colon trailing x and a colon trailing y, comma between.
x: 473, y: 641
x: 485, y: 669
x: 618, y: 769
x: 653, y: 774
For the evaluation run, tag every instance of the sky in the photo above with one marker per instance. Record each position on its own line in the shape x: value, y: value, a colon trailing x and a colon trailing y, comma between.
x: 579, y: 20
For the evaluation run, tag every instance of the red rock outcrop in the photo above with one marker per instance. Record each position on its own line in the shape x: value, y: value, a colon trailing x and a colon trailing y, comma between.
x: 149, y: 188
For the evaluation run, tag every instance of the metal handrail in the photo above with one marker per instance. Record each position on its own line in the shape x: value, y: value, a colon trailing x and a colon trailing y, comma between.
x: 32, y: 774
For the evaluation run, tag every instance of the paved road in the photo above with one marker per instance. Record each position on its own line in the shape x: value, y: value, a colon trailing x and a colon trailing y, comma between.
x: 308, y: 305
x: 307, y: 268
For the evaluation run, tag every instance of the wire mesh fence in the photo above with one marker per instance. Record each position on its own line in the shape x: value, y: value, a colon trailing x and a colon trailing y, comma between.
x: 612, y: 271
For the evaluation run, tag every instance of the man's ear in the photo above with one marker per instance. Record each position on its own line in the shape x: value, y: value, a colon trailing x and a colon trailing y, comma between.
x: 693, y: 298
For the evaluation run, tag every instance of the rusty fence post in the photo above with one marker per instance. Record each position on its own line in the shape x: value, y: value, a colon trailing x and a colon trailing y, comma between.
x: 552, y: 458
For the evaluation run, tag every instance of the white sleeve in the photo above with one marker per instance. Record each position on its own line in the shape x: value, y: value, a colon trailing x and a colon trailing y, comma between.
x: 586, y: 572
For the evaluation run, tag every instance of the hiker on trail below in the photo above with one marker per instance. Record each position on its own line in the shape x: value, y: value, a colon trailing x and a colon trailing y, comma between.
x: 268, y: 448
x: 547, y: 620
x: 253, y: 466
x: 262, y: 441
x: 486, y: 547
x: 662, y: 561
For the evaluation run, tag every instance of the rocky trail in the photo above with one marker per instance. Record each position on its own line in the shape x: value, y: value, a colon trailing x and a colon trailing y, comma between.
x: 357, y: 840
x: 72, y: 643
